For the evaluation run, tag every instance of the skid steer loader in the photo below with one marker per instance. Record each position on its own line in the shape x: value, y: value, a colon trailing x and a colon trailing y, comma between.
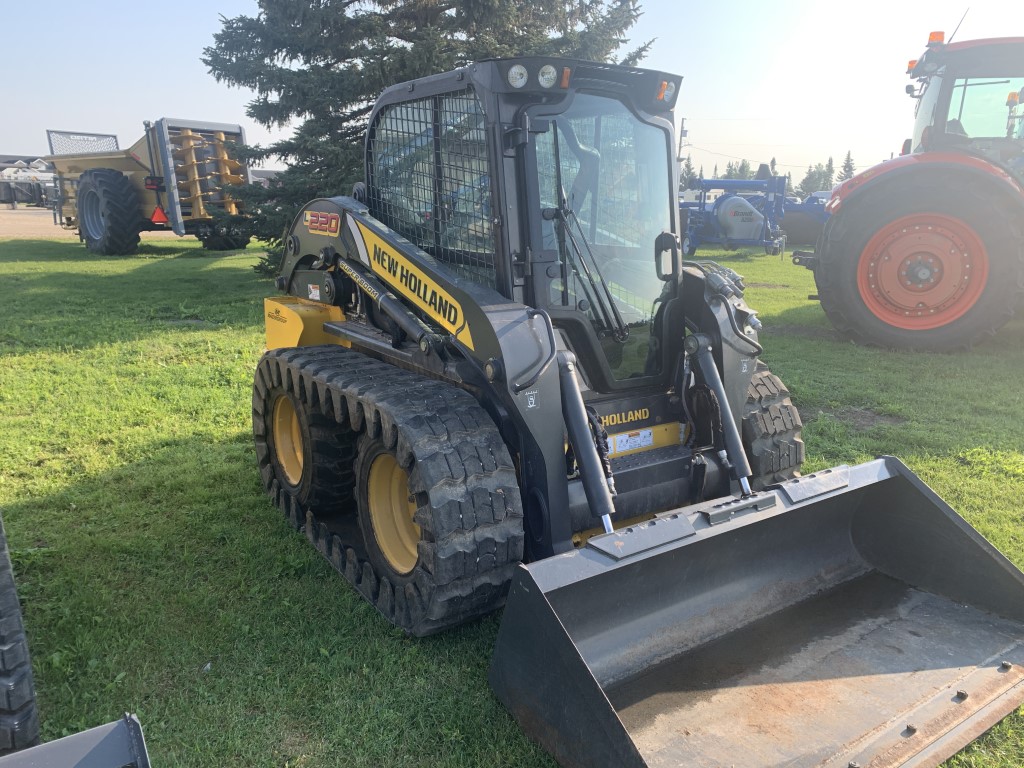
x: 494, y: 379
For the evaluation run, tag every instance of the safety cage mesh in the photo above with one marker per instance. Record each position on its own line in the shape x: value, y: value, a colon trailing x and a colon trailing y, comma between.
x: 429, y: 180
x: 79, y: 143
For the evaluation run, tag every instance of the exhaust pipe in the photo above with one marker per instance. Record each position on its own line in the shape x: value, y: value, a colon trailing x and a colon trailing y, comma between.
x: 847, y: 617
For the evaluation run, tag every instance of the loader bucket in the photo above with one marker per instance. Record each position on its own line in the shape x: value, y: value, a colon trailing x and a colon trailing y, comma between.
x: 845, y: 618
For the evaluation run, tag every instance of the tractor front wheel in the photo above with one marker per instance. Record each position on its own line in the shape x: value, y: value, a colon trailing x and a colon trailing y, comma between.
x: 911, y: 268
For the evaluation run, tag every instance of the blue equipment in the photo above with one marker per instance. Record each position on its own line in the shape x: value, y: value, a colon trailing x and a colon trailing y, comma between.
x: 806, y: 220
x: 748, y: 214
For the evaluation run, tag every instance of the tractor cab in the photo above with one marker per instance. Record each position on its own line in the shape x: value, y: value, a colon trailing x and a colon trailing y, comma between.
x: 969, y: 100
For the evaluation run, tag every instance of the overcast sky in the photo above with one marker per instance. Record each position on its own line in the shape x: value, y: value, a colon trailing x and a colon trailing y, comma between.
x: 798, y: 81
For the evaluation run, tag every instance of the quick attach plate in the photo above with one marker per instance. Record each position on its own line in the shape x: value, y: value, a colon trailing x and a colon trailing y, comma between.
x: 643, y: 536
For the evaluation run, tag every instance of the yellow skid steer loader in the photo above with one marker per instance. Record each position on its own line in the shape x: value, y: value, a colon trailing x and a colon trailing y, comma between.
x: 494, y: 379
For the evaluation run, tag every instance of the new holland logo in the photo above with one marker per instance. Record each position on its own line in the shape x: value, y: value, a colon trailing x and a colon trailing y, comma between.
x: 277, y: 316
x: 415, y: 285
x: 626, y: 417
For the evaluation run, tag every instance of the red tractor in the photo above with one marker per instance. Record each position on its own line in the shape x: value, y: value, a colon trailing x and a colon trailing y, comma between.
x: 926, y: 251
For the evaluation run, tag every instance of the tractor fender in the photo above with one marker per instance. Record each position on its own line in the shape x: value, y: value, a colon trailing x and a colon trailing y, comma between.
x: 967, y: 165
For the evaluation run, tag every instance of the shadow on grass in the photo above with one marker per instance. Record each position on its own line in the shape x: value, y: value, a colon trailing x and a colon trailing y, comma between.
x: 171, y: 586
x: 809, y: 321
x: 63, y: 297
x: 58, y: 251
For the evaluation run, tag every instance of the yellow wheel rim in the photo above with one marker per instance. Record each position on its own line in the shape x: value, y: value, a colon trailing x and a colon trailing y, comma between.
x: 287, y: 439
x: 391, y: 513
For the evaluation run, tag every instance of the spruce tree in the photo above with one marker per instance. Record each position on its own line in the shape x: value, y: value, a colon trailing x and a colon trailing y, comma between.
x: 687, y: 175
x: 848, y: 170
x: 321, y: 65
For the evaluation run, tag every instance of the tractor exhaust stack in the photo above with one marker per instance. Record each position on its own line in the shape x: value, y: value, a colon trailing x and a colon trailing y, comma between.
x: 845, y: 618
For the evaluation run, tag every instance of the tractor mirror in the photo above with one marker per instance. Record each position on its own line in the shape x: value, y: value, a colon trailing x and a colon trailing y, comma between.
x: 666, y: 254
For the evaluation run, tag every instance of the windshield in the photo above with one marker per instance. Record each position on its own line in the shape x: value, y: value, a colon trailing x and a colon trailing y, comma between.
x: 980, y: 108
x: 606, y: 173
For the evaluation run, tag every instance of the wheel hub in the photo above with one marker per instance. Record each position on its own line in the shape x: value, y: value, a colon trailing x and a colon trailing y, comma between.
x: 288, y: 449
x: 391, y: 513
x: 90, y: 217
x: 922, y: 271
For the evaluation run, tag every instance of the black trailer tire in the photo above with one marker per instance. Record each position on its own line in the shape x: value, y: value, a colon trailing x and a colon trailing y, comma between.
x: 936, y: 266
x: 224, y: 242
x: 19, y: 719
x: 436, y: 439
x: 108, y: 212
x: 771, y: 430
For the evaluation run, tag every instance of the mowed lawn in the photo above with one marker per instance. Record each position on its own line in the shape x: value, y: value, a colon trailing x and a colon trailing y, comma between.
x: 156, y: 578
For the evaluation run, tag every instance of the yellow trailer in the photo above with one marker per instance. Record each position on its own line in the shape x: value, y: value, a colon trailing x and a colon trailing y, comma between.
x: 180, y: 176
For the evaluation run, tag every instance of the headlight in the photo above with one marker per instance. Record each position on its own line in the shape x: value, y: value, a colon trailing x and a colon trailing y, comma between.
x: 547, y: 76
x: 518, y: 76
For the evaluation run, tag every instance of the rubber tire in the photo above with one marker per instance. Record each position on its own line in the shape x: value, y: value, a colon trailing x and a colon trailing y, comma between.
x: 687, y: 248
x: 19, y: 718
x: 226, y: 242
x: 115, y: 205
x: 997, y: 224
x: 326, y: 486
x: 771, y: 430
x: 469, y: 506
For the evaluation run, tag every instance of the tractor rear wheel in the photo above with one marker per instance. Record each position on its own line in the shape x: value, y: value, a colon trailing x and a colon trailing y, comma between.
x: 911, y: 268
x: 19, y: 719
x: 436, y: 529
x: 108, y: 212
x: 771, y: 430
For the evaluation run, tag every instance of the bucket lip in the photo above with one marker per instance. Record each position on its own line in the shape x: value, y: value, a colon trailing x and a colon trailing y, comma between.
x: 570, y: 567
x: 927, y: 735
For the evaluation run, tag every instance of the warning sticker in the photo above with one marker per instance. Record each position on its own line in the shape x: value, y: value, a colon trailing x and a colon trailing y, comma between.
x: 314, y: 292
x: 631, y: 441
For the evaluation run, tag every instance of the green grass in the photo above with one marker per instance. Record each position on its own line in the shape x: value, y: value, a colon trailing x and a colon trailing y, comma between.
x: 158, y: 579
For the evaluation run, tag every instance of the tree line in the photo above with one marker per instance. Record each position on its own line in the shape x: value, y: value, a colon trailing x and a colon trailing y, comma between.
x: 322, y: 65
x: 819, y: 177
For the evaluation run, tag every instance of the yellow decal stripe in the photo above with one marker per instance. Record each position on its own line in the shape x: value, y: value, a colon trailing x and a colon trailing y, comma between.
x: 415, y: 285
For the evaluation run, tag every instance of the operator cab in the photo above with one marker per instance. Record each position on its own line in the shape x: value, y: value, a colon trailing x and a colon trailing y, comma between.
x: 970, y: 100
x: 549, y: 181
